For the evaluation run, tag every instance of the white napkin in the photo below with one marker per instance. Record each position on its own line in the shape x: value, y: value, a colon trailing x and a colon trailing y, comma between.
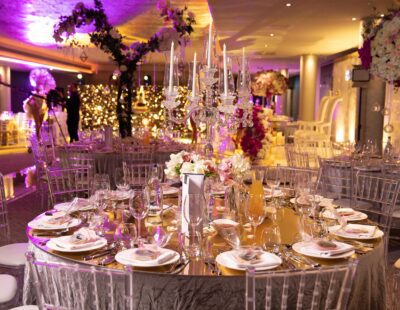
x: 163, y: 257
x: 82, y: 238
x: 311, y: 248
x: 347, y: 231
x: 262, y: 263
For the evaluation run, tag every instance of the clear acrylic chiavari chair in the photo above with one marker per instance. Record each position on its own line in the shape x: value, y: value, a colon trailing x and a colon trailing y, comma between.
x: 322, y: 288
x: 66, y: 184
x: 381, y: 193
x: 4, y: 225
x: 78, y: 287
x: 138, y: 174
x: 137, y: 154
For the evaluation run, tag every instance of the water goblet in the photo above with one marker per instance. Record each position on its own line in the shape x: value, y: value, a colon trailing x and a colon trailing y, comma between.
x: 139, y: 207
x: 271, y: 238
x: 190, y: 243
x: 125, y: 235
x: 193, y: 209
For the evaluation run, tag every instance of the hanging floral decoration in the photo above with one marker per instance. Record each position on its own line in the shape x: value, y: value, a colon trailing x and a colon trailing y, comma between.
x: 256, y: 140
x: 269, y: 83
x: 379, y: 52
x: 109, y: 40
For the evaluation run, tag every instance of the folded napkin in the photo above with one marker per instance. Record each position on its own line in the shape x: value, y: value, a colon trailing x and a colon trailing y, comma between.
x: 60, y: 218
x: 155, y: 255
x: 79, y: 240
x: 260, y: 262
x: 313, y: 249
x: 357, y: 230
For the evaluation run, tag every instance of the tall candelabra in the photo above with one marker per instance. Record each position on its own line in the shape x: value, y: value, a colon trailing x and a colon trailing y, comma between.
x: 213, y: 108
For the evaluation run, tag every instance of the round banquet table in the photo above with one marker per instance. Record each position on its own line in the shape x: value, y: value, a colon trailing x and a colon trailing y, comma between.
x: 197, y: 287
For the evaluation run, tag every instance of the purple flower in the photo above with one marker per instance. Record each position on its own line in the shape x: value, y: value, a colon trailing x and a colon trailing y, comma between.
x: 365, y: 54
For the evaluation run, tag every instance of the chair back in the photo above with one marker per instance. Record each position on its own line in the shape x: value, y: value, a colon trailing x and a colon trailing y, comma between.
x: 66, y: 184
x: 133, y: 154
x: 336, y: 178
x: 79, y: 287
x: 4, y: 225
x: 322, y: 288
x: 381, y: 192
x: 290, y: 177
x: 138, y: 174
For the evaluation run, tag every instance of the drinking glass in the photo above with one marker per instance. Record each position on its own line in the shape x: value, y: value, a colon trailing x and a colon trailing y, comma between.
x: 190, y: 243
x: 255, y: 211
x: 100, y: 199
x: 139, y: 207
x: 125, y: 235
x: 272, y: 178
x: 159, y: 236
x: 271, y: 238
x: 193, y: 209
x: 231, y: 235
x: 121, y: 179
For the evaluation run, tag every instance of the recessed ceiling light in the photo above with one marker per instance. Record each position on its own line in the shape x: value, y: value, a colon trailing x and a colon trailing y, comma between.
x: 271, y: 34
x: 266, y: 45
x: 354, y: 19
x: 382, y: 15
x: 288, y: 4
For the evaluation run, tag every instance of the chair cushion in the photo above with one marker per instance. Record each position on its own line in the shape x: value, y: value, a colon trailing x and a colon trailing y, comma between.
x: 8, y: 288
x: 29, y: 307
x: 13, y: 254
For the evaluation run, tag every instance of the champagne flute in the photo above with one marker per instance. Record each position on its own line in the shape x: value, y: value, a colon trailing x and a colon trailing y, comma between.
x: 139, y: 207
x: 255, y: 211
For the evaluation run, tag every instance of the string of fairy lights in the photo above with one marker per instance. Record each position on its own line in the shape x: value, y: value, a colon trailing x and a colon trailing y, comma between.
x: 98, y: 108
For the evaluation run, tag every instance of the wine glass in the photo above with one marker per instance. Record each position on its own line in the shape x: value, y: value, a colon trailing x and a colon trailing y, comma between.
x: 101, y: 182
x: 273, y: 181
x: 255, y: 211
x: 121, y: 180
x: 159, y: 236
x: 100, y: 200
x: 139, y: 207
x: 193, y: 209
x: 271, y: 238
x: 125, y: 235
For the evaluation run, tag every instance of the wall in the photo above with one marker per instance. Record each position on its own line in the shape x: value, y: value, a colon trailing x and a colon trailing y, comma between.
x: 344, y: 123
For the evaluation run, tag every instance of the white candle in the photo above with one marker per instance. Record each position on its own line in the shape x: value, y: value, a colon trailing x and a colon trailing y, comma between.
x: 171, y: 68
x: 243, y: 68
x: 225, y: 74
x: 209, y: 46
x: 194, y: 76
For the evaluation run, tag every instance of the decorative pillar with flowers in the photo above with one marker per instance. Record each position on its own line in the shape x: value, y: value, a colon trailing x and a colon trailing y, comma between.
x: 109, y: 40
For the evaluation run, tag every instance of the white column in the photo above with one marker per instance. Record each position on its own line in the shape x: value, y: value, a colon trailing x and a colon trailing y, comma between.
x: 308, y: 86
x: 281, y: 100
x: 5, y: 92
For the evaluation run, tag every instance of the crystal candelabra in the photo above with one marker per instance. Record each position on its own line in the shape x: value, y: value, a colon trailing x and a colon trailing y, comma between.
x: 213, y: 108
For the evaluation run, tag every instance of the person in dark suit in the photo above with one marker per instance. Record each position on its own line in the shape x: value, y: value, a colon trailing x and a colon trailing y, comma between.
x: 73, y: 104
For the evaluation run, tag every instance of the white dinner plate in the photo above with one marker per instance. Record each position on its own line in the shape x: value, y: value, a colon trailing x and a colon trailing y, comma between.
x: 277, y: 193
x: 65, y: 206
x: 91, y: 246
x: 121, y: 258
x: 335, y: 230
x: 357, y: 216
x: 38, y: 224
x: 170, y: 191
x: 301, y: 248
x: 226, y: 259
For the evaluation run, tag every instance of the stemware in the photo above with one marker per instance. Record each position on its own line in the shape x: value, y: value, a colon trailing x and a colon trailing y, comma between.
x: 272, y: 178
x: 101, y: 182
x: 255, y: 211
x: 159, y: 236
x: 100, y: 199
x: 271, y: 238
x: 139, y: 207
x: 190, y: 243
x: 125, y: 235
x: 193, y: 209
x: 121, y: 179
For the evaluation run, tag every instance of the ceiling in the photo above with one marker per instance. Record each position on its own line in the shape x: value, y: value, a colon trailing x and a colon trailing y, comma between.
x: 307, y: 26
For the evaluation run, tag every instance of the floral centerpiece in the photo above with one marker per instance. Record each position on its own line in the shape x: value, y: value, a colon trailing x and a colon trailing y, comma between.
x: 109, y: 40
x: 380, y: 49
x: 269, y: 83
x: 186, y: 162
x: 255, y: 140
x: 232, y: 168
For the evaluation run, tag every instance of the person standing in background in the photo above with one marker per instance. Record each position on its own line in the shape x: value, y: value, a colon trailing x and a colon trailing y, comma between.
x: 73, y: 104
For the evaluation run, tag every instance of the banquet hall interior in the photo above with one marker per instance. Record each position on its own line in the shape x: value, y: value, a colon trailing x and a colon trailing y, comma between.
x: 199, y: 154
